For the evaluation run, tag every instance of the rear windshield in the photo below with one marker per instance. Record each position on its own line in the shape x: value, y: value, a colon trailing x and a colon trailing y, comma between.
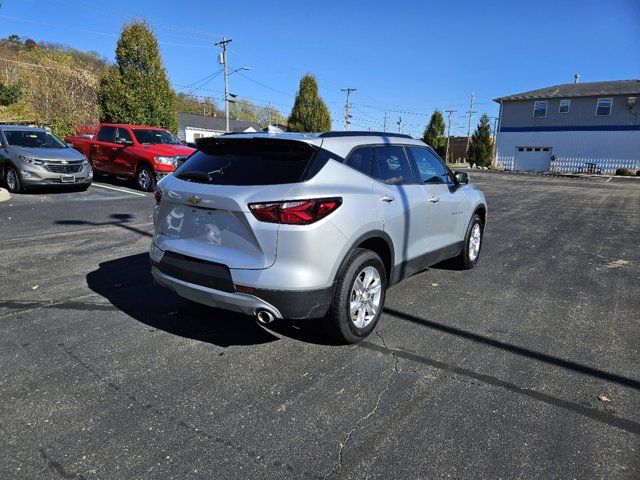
x: 247, y: 162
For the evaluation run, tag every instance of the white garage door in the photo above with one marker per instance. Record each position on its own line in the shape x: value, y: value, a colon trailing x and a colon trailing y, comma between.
x: 533, y: 159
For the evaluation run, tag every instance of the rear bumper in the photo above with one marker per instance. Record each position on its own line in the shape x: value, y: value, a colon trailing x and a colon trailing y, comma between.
x: 212, y: 284
x: 237, y: 302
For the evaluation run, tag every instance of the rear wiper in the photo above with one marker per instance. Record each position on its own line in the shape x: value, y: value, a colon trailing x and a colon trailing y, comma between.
x: 200, y: 177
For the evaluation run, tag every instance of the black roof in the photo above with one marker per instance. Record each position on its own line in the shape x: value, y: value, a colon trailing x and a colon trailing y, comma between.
x: 207, y: 122
x: 586, y: 89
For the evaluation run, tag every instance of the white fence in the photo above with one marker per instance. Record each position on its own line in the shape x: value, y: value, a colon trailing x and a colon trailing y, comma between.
x: 579, y: 164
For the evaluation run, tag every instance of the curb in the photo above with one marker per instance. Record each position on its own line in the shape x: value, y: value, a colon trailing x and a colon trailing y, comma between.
x: 4, y: 195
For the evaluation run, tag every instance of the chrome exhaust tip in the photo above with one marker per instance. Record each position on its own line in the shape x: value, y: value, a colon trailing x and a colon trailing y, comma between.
x: 265, y: 317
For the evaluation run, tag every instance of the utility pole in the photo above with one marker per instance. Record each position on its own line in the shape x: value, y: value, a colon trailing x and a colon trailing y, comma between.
x: 346, y: 108
x: 399, y: 122
x: 495, y: 139
x: 223, y: 59
x: 470, y: 112
x: 384, y: 128
x: 446, y: 153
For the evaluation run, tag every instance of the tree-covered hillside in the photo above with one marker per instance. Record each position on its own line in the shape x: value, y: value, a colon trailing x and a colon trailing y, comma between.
x: 56, y: 84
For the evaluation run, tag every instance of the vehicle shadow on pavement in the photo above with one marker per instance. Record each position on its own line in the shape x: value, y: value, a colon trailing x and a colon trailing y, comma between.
x: 128, y: 285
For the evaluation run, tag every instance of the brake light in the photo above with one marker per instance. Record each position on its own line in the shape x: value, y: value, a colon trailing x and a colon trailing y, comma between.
x: 295, y: 212
x: 157, y: 193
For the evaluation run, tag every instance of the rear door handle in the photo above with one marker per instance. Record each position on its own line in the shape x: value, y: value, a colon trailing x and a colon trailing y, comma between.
x: 387, y: 198
x: 434, y: 200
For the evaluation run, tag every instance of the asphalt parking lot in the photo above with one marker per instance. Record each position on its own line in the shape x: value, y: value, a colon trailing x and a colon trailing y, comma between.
x: 527, y: 366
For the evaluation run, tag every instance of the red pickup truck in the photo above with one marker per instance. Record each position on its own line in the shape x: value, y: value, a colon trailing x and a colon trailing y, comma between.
x: 143, y: 153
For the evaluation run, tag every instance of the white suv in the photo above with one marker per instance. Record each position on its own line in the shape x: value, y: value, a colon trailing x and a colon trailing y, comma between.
x: 308, y: 226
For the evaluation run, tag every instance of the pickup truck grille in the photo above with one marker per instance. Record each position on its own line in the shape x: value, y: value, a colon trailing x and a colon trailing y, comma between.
x: 59, y: 168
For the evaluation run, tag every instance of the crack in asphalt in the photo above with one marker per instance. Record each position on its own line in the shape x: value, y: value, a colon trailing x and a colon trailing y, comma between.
x: 347, y: 439
x: 251, y: 454
x: 604, y: 417
x: 35, y: 305
x: 29, y: 306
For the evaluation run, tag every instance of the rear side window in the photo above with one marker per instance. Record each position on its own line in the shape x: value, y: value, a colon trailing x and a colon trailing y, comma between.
x: 248, y: 162
x: 391, y: 166
x: 360, y: 160
x: 107, y: 134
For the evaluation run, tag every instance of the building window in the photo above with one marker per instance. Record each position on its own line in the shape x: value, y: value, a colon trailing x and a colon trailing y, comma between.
x: 565, y: 105
x: 603, y: 109
x: 540, y: 109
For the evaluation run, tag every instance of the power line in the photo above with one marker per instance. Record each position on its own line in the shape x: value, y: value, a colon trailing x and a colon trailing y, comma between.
x: 94, y: 32
x: 265, y: 86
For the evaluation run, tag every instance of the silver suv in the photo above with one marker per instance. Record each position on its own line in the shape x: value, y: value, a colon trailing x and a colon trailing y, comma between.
x: 31, y: 157
x: 307, y: 226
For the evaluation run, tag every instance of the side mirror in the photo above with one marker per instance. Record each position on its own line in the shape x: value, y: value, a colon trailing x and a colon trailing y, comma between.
x: 462, y: 177
x: 124, y: 142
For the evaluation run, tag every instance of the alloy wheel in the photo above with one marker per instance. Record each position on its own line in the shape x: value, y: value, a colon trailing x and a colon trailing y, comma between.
x: 144, y: 179
x: 12, y: 181
x: 365, y: 298
x: 474, y: 242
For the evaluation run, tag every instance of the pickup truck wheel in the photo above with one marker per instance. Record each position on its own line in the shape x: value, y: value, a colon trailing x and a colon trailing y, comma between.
x: 12, y: 179
x: 468, y: 257
x: 145, y: 179
x: 359, y: 297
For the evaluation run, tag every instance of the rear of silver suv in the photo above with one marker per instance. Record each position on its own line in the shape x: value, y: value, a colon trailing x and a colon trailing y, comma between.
x: 301, y: 226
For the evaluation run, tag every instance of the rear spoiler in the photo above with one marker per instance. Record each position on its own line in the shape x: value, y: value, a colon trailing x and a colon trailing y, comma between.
x: 252, y: 141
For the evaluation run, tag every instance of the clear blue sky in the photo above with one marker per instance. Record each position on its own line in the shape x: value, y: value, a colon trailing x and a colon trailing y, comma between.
x: 409, y: 56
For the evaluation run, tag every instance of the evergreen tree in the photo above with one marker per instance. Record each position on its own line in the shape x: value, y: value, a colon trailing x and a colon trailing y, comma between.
x: 309, y: 113
x: 481, y: 146
x: 136, y: 89
x: 434, y: 133
x: 10, y: 93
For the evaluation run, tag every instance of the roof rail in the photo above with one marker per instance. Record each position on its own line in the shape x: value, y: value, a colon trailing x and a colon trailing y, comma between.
x: 363, y: 134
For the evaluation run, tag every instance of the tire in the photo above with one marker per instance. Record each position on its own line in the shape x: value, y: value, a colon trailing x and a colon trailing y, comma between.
x: 12, y: 180
x: 468, y: 257
x: 145, y: 179
x: 360, y: 264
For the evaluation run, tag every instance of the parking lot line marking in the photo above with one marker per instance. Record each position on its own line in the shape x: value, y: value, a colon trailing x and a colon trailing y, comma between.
x: 118, y: 189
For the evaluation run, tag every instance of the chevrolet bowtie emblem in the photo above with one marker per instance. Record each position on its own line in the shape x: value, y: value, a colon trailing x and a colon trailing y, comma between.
x: 194, y: 200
